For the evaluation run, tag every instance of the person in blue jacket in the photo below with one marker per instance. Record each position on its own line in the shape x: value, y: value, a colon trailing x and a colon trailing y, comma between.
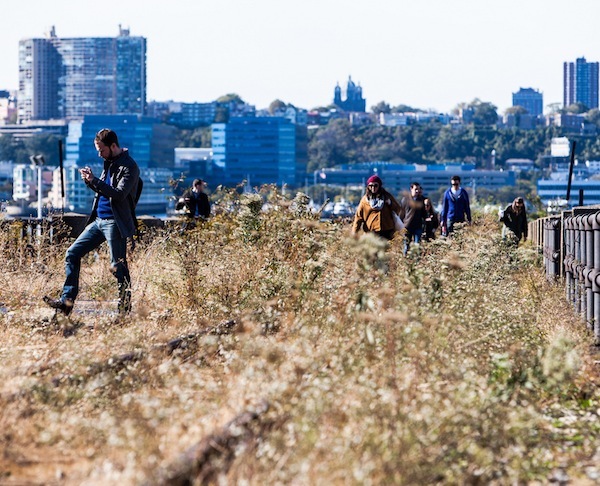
x: 455, y: 206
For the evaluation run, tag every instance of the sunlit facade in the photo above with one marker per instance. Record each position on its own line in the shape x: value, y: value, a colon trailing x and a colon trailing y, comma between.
x: 69, y: 78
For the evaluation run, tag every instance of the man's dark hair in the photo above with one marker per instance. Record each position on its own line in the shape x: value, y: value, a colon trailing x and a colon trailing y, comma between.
x: 197, y: 181
x: 107, y: 137
x: 455, y: 178
x: 414, y: 184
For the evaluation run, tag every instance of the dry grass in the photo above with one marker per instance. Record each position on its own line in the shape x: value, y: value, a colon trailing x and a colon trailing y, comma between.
x: 457, y: 364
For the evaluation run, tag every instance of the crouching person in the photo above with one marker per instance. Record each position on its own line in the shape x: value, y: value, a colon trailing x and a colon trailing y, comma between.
x: 514, y: 218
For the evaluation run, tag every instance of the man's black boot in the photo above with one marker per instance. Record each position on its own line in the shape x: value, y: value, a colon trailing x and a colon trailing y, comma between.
x: 64, y: 306
x: 124, y: 306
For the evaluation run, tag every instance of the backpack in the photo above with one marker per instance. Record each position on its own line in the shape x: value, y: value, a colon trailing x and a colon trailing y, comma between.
x: 136, y: 198
x: 140, y: 187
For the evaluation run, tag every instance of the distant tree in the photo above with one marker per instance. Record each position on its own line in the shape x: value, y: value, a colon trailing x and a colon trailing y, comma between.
x: 593, y: 116
x: 322, y: 109
x: 223, y: 104
x: 228, y: 98
x: 516, y: 110
x: 381, y: 107
x: 456, y: 110
x: 19, y: 150
x: 405, y: 109
x: 576, y: 108
x: 196, y: 138
x: 507, y: 194
x: 44, y: 144
x: 221, y: 114
x: 206, y: 137
x: 339, y: 143
x: 9, y: 148
x: 451, y: 145
x: 276, y: 105
x: 331, y: 145
x: 485, y: 113
x: 590, y: 148
x: 554, y: 107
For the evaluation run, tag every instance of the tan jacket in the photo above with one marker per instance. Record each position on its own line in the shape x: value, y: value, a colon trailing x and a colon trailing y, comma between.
x: 371, y: 220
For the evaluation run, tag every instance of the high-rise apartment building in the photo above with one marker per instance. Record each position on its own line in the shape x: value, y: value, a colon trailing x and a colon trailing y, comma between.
x: 70, y: 78
x: 580, y: 81
x: 530, y: 99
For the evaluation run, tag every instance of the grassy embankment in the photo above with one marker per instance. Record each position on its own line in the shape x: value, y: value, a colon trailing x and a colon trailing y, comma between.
x: 458, y: 364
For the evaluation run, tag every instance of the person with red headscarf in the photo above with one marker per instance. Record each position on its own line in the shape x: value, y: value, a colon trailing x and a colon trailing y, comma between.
x: 375, y: 210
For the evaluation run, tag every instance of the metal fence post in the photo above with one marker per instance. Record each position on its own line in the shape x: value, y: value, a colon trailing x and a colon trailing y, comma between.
x: 556, y: 238
x: 579, y: 257
x: 596, y: 276
x: 588, y: 269
x: 569, y: 259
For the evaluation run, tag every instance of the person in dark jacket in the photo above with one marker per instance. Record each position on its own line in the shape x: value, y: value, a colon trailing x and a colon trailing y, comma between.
x: 455, y: 206
x: 112, y: 220
x: 196, y: 201
x: 412, y: 213
x: 514, y: 218
x: 431, y: 222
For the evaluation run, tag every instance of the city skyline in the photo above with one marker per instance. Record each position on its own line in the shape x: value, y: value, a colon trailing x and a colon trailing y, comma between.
x: 431, y: 54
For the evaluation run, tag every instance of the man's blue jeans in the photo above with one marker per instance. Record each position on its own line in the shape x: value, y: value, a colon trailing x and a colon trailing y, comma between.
x: 412, y: 236
x: 92, y: 237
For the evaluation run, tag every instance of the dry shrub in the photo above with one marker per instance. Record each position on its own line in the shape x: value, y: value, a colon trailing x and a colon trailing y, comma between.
x: 459, y: 363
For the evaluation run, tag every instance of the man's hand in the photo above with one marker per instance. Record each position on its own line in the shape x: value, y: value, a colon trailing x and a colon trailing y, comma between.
x: 86, y: 174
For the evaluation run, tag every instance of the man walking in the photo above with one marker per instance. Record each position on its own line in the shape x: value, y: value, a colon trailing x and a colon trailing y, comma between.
x: 455, y: 206
x: 112, y: 220
x: 412, y: 213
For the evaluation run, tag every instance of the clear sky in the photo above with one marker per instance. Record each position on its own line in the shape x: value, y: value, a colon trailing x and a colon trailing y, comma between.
x: 423, y: 53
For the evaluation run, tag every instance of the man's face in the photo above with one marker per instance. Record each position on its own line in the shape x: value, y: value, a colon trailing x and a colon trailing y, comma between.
x: 416, y: 191
x: 104, y: 151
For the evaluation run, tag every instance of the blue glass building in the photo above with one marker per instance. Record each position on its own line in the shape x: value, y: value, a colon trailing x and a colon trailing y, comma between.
x: 530, y: 99
x: 259, y: 150
x: 151, y: 144
x: 580, y: 81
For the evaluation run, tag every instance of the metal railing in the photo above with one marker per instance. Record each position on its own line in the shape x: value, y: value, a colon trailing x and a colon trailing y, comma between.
x: 570, y: 245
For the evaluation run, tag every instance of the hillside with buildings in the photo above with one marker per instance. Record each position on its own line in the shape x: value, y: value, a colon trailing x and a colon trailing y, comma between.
x: 65, y: 95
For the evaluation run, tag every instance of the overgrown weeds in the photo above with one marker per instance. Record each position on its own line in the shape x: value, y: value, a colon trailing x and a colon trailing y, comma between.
x: 459, y: 363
